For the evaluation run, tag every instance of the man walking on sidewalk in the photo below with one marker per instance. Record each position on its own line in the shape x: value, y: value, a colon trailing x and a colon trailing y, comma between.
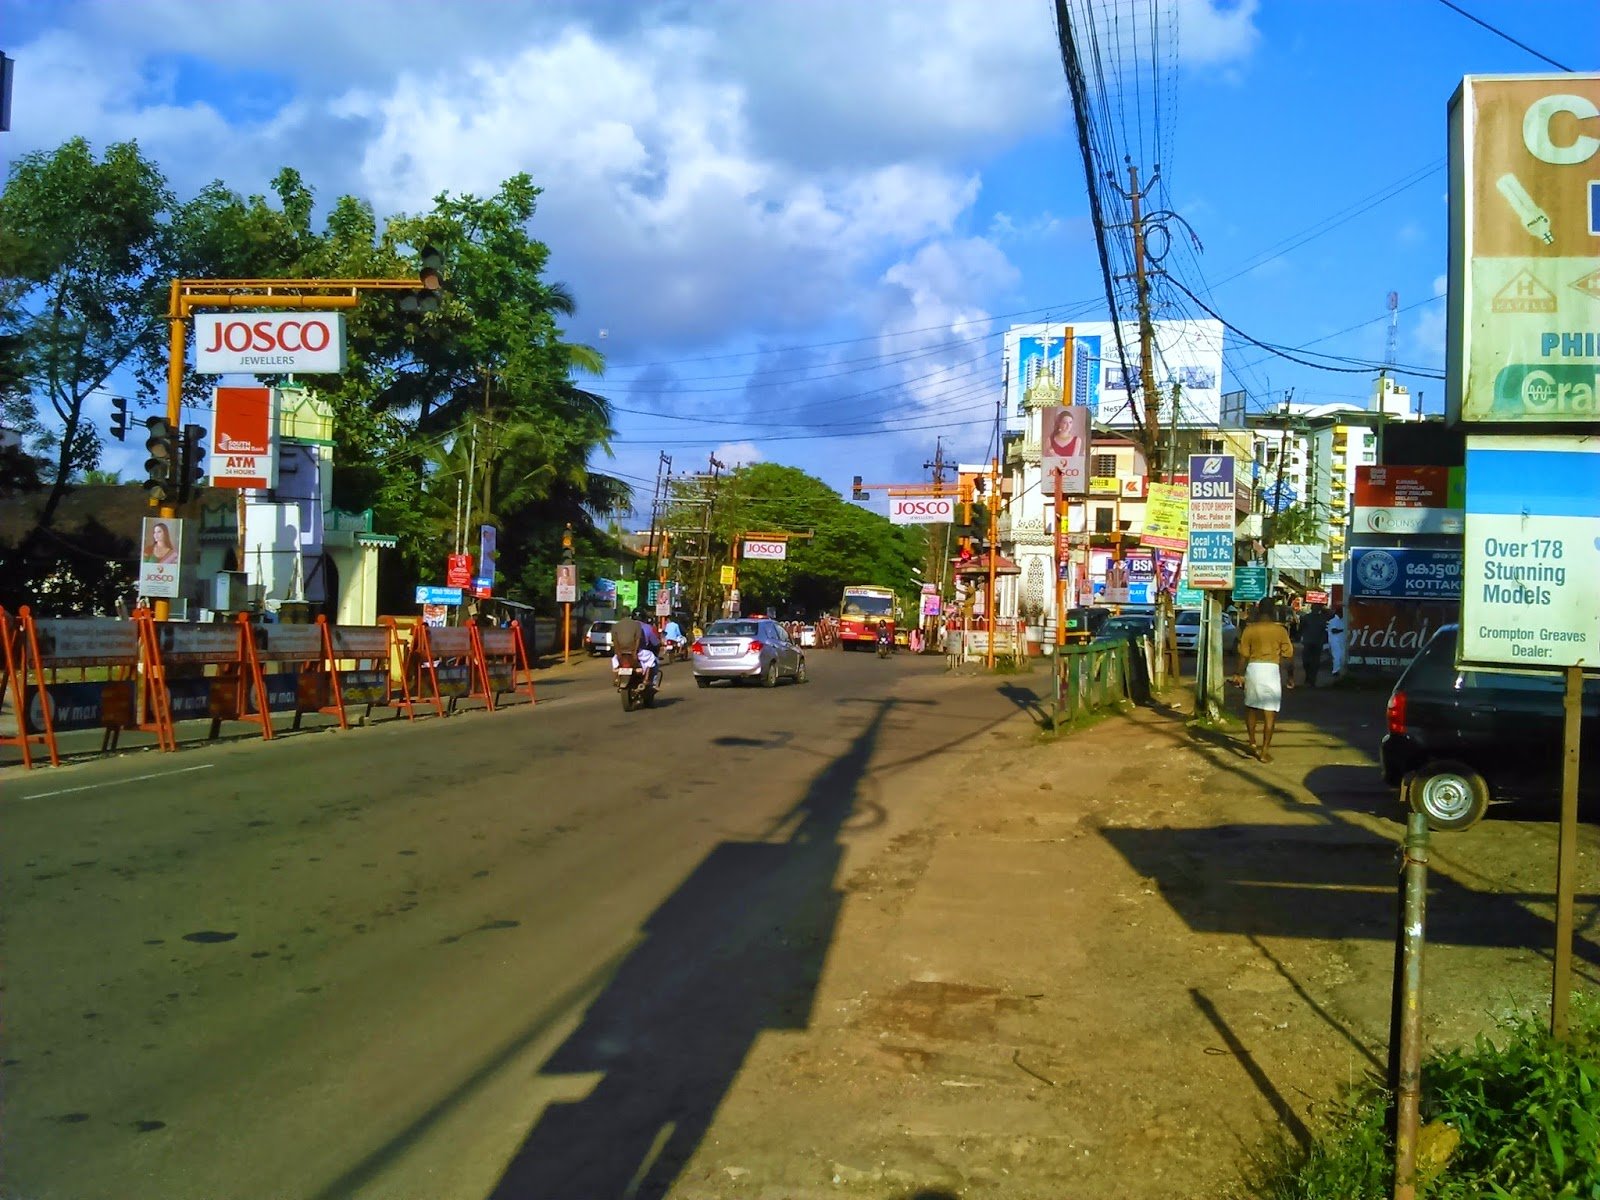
x: 1313, y: 641
x: 1266, y: 667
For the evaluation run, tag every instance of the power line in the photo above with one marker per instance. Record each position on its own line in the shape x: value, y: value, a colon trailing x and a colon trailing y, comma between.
x: 1501, y: 33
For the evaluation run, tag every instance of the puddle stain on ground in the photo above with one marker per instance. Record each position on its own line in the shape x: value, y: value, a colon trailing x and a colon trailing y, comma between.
x: 486, y: 927
x: 209, y: 936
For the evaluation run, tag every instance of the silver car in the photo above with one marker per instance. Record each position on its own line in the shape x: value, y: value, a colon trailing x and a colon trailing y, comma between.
x: 747, y: 648
x: 1187, y: 632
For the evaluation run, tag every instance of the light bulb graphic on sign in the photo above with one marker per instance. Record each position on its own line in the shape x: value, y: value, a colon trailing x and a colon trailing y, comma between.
x: 1534, y: 219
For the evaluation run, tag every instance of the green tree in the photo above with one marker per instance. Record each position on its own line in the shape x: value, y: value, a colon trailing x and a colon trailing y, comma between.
x: 86, y: 255
x: 1296, y: 525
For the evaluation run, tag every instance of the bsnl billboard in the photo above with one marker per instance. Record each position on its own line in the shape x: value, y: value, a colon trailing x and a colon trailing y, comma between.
x: 1188, y: 353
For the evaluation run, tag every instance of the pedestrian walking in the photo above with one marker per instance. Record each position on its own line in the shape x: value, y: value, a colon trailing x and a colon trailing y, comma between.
x: 1338, y: 644
x: 1266, y: 668
x: 1313, y: 641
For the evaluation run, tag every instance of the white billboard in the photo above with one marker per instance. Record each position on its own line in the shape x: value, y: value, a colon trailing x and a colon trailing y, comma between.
x: 921, y: 510
x: 772, y: 551
x: 1188, y: 353
x: 269, y: 343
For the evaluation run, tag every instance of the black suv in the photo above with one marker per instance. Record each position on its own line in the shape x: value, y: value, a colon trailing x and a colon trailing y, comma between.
x: 1475, y: 736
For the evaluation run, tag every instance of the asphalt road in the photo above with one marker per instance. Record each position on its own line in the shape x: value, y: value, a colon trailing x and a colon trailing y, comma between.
x: 511, y: 955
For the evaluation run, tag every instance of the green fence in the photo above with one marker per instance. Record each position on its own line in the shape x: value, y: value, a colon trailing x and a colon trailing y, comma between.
x: 1092, y: 678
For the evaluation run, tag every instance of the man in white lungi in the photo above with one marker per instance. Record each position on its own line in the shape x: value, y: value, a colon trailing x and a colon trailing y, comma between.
x: 1336, y: 641
x: 1266, y: 667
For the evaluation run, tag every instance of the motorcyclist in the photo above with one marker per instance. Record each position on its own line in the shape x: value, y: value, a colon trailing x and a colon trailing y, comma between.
x: 639, y: 639
x: 672, y: 634
x: 884, y: 638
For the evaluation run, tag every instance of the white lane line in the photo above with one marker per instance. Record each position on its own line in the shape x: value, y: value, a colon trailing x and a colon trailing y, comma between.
x: 89, y: 787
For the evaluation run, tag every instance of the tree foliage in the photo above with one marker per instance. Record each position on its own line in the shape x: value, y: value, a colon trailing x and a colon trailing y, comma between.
x: 850, y: 545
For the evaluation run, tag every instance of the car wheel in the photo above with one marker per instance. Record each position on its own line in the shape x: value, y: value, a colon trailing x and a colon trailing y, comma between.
x: 769, y: 674
x: 1450, y: 794
x: 800, y: 675
x: 701, y: 681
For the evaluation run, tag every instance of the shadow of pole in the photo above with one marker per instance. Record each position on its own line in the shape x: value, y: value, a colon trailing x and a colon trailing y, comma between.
x: 1286, y: 1115
x: 737, y: 950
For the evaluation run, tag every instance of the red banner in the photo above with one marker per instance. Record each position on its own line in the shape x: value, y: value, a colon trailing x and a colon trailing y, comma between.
x: 1403, y: 487
x: 458, y: 571
x: 243, y: 449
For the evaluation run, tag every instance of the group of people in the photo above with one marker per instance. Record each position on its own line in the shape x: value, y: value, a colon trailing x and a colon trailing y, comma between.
x: 636, y: 635
x: 1266, y: 650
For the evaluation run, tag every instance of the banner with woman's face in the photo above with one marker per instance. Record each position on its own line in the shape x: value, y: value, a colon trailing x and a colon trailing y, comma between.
x: 1064, y: 447
x: 160, y: 551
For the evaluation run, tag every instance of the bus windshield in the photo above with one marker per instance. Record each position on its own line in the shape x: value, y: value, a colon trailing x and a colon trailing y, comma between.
x: 866, y: 604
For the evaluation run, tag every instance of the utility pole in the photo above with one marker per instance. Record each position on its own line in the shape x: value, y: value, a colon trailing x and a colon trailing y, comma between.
x: 1283, y: 454
x: 715, y: 467
x: 1152, y: 399
x: 663, y: 472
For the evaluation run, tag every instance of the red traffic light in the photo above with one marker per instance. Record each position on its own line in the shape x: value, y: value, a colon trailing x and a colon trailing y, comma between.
x: 430, y: 271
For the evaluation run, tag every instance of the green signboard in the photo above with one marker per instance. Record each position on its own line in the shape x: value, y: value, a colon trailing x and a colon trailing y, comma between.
x: 627, y: 595
x: 1251, y: 584
x: 1188, y: 597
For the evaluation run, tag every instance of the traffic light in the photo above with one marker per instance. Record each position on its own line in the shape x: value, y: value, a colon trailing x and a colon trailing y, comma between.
x: 158, y: 447
x: 567, y: 555
x: 192, y: 462
x: 430, y: 277
x: 119, y: 417
x: 857, y: 492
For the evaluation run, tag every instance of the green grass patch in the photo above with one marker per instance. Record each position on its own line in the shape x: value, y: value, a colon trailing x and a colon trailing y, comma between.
x: 1526, y: 1109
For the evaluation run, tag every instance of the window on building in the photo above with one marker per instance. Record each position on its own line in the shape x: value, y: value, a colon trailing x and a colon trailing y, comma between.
x: 1104, y: 519
x: 1103, y: 466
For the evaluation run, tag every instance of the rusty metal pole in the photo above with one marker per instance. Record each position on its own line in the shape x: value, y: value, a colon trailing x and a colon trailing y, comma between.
x: 1406, y: 1035
x: 1566, y: 854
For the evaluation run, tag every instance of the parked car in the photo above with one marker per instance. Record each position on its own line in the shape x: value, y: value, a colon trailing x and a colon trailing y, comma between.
x: 1469, y: 738
x: 1186, y: 630
x: 1126, y: 628
x: 747, y: 648
x: 597, y: 638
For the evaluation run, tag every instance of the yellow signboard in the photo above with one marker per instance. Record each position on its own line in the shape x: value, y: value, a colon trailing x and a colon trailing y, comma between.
x: 1104, y: 485
x: 727, y: 576
x: 1524, y: 262
x: 1166, y: 517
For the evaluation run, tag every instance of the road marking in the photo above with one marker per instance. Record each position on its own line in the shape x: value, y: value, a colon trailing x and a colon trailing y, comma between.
x: 89, y: 787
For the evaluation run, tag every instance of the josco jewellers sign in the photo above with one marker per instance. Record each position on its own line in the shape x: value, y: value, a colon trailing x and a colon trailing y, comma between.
x: 304, y: 343
x: 907, y: 510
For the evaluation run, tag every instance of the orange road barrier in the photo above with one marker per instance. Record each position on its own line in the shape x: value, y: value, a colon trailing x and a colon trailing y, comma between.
x: 25, y: 683
x: 502, y: 658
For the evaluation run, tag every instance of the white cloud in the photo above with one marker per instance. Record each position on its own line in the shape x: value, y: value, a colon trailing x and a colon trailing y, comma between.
x: 734, y: 454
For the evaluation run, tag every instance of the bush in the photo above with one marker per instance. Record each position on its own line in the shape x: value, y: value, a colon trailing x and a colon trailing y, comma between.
x: 1527, y: 1109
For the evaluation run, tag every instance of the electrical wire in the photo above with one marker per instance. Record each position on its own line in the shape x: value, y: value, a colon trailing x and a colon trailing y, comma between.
x: 1501, y: 33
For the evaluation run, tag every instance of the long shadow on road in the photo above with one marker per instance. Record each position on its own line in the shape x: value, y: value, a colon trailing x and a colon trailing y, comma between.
x: 737, y: 950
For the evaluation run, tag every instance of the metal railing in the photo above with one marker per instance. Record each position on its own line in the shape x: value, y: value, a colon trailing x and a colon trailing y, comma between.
x: 1097, y: 677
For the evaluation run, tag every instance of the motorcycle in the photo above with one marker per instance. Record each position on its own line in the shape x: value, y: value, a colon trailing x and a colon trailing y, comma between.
x: 885, y: 645
x: 673, y: 650
x: 636, y: 684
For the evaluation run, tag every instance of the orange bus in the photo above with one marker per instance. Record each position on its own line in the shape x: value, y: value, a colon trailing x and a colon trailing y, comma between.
x: 860, y: 611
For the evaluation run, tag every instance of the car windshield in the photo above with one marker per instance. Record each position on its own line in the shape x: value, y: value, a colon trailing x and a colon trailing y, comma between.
x: 733, y: 629
x: 1188, y: 618
x: 867, y: 606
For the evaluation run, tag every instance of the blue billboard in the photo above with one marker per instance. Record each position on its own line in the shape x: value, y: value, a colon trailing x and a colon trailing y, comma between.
x: 1404, y: 573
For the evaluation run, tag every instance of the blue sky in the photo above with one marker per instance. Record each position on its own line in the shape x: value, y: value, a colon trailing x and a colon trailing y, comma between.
x: 787, y: 220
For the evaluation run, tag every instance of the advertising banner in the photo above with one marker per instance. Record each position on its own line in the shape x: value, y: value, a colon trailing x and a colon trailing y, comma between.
x: 1166, y: 517
x: 921, y: 510
x: 1188, y: 353
x: 244, y: 445
x: 442, y: 596
x: 486, y: 557
x: 726, y: 576
x: 627, y: 595
x: 1295, y: 558
x: 1064, y: 448
x: 1405, y: 500
x: 768, y: 550
x: 1211, y: 521
x: 1386, y: 634
x: 269, y: 343
x: 567, y: 583
x: 1524, y: 260
x: 161, y: 549
x: 87, y: 642
x: 458, y: 571
x: 1532, y: 553
x: 1390, y: 572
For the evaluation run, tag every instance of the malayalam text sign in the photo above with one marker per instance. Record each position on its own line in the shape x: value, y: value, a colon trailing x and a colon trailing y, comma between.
x: 1532, y: 555
x: 442, y: 596
x: 921, y: 510
x: 244, y: 450
x: 1392, y: 572
x: 1166, y: 517
x: 1524, y: 260
x: 269, y: 343
x: 770, y: 551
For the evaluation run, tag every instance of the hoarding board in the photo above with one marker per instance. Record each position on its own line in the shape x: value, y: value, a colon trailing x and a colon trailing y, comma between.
x: 1211, y: 521
x: 458, y: 570
x: 244, y: 441
x: 1405, y: 573
x: 1407, y: 500
x: 1387, y: 634
x: 1064, y: 448
x: 269, y: 343
x: 1532, y: 553
x: 442, y: 596
x: 161, y: 552
x: 1166, y: 517
x: 770, y: 551
x: 1524, y: 260
x: 1296, y: 557
x: 567, y: 583
x: 1188, y: 353
x: 921, y: 510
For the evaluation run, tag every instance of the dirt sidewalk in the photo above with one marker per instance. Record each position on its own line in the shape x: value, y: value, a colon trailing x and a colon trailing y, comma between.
x: 1101, y: 966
